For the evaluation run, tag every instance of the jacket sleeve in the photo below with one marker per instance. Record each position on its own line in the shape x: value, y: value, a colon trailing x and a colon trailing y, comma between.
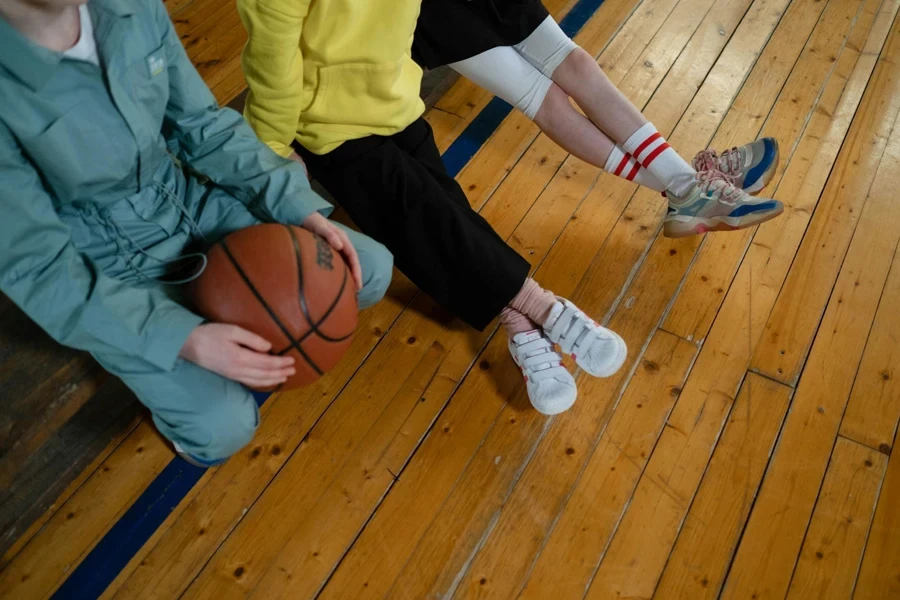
x: 63, y: 291
x: 219, y: 143
x: 273, y: 68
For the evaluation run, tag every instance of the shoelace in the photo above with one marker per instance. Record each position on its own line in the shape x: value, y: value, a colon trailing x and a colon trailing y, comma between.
x: 710, y: 160
x: 716, y: 181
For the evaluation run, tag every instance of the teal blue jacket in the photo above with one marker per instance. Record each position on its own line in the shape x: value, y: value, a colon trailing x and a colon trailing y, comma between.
x: 77, y: 139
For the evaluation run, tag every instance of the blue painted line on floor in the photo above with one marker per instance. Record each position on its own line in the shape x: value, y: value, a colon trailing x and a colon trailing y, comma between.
x: 126, y: 537
x: 133, y: 529
x: 576, y: 18
x: 475, y: 135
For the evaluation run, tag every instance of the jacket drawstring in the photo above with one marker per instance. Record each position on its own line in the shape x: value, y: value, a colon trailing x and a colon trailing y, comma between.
x: 194, y: 228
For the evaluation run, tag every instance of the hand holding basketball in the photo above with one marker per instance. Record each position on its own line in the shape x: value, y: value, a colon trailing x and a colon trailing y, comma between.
x: 237, y: 354
x: 338, y: 240
x: 284, y: 302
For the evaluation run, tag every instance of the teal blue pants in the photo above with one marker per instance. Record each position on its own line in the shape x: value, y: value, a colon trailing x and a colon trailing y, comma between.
x: 208, y: 416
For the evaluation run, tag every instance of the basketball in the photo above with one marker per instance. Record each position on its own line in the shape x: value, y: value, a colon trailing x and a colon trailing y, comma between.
x: 286, y: 285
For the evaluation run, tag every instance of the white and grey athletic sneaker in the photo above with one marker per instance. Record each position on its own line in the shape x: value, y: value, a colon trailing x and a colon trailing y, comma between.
x: 750, y: 167
x: 714, y: 203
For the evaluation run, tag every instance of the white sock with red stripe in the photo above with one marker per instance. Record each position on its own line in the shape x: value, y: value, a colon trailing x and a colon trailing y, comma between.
x: 653, y: 153
x: 621, y: 164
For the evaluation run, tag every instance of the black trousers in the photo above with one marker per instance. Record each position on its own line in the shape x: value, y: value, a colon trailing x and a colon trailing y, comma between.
x: 485, y: 24
x: 397, y: 191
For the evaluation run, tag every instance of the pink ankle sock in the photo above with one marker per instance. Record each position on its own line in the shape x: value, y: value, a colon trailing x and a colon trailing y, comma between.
x: 515, y: 322
x: 533, y: 301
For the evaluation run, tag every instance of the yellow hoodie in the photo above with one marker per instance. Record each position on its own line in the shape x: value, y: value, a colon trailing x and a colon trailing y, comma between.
x: 326, y: 71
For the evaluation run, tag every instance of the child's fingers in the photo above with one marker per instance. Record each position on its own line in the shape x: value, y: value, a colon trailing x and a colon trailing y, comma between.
x: 250, y: 339
x: 334, y: 239
x: 264, y: 362
x: 265, y: 374
x: 352, y: 258
x: 263, y: 383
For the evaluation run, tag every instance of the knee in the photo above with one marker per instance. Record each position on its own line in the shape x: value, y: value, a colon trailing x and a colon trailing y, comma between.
x: 555, y: 103
x: 580, y: 64
x: 227, y: 430
x: 378, y: 266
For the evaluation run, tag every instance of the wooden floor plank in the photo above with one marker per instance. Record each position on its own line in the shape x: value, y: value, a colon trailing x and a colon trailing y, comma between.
x: 72, y: 531
x: 653, y: 64
x: 25, y: 538
x: 499, y: 568
x: 766, y: 556
x: 604, y: 488
x: 705, y: 287
x: 34, y: 494
x: 331, y: 524
x: 623, y: 51
x: 798, y: 311
x: 443, y: 124
x: 699, y: 561
x: 703, y: 395
x: 833, y: 548
x: 722, y: 363
x: 230, y: 82
x: 40, y: 385
x: 874, y: 407
x: 879, y: 575
x: 520, y: 190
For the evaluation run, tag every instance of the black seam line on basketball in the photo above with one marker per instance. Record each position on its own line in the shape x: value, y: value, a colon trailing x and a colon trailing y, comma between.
x: 269, y: 310
x: 314, y: 328
x: 314, y: 325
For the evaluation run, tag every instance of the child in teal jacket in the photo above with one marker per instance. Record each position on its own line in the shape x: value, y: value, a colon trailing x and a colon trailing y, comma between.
x: 104, y: 128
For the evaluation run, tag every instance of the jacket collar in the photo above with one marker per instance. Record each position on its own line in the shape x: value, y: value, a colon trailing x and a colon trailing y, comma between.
x: 33, y: 64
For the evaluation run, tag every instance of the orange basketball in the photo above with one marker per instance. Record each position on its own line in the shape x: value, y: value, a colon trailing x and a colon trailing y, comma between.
x: 287, y: 285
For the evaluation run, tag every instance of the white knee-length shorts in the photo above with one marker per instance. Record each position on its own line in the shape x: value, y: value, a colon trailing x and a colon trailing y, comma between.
x: 521, y: 74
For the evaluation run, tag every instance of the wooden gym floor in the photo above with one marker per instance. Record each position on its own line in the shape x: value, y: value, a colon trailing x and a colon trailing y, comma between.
x: 745, y: 451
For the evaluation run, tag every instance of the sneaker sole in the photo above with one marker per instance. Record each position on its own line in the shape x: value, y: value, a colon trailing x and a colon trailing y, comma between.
x: 697, y: 226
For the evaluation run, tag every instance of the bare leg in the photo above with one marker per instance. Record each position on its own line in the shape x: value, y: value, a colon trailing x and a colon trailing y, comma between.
x: 584, y: 81
x: 572, y: 130
x: 509, y: 75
